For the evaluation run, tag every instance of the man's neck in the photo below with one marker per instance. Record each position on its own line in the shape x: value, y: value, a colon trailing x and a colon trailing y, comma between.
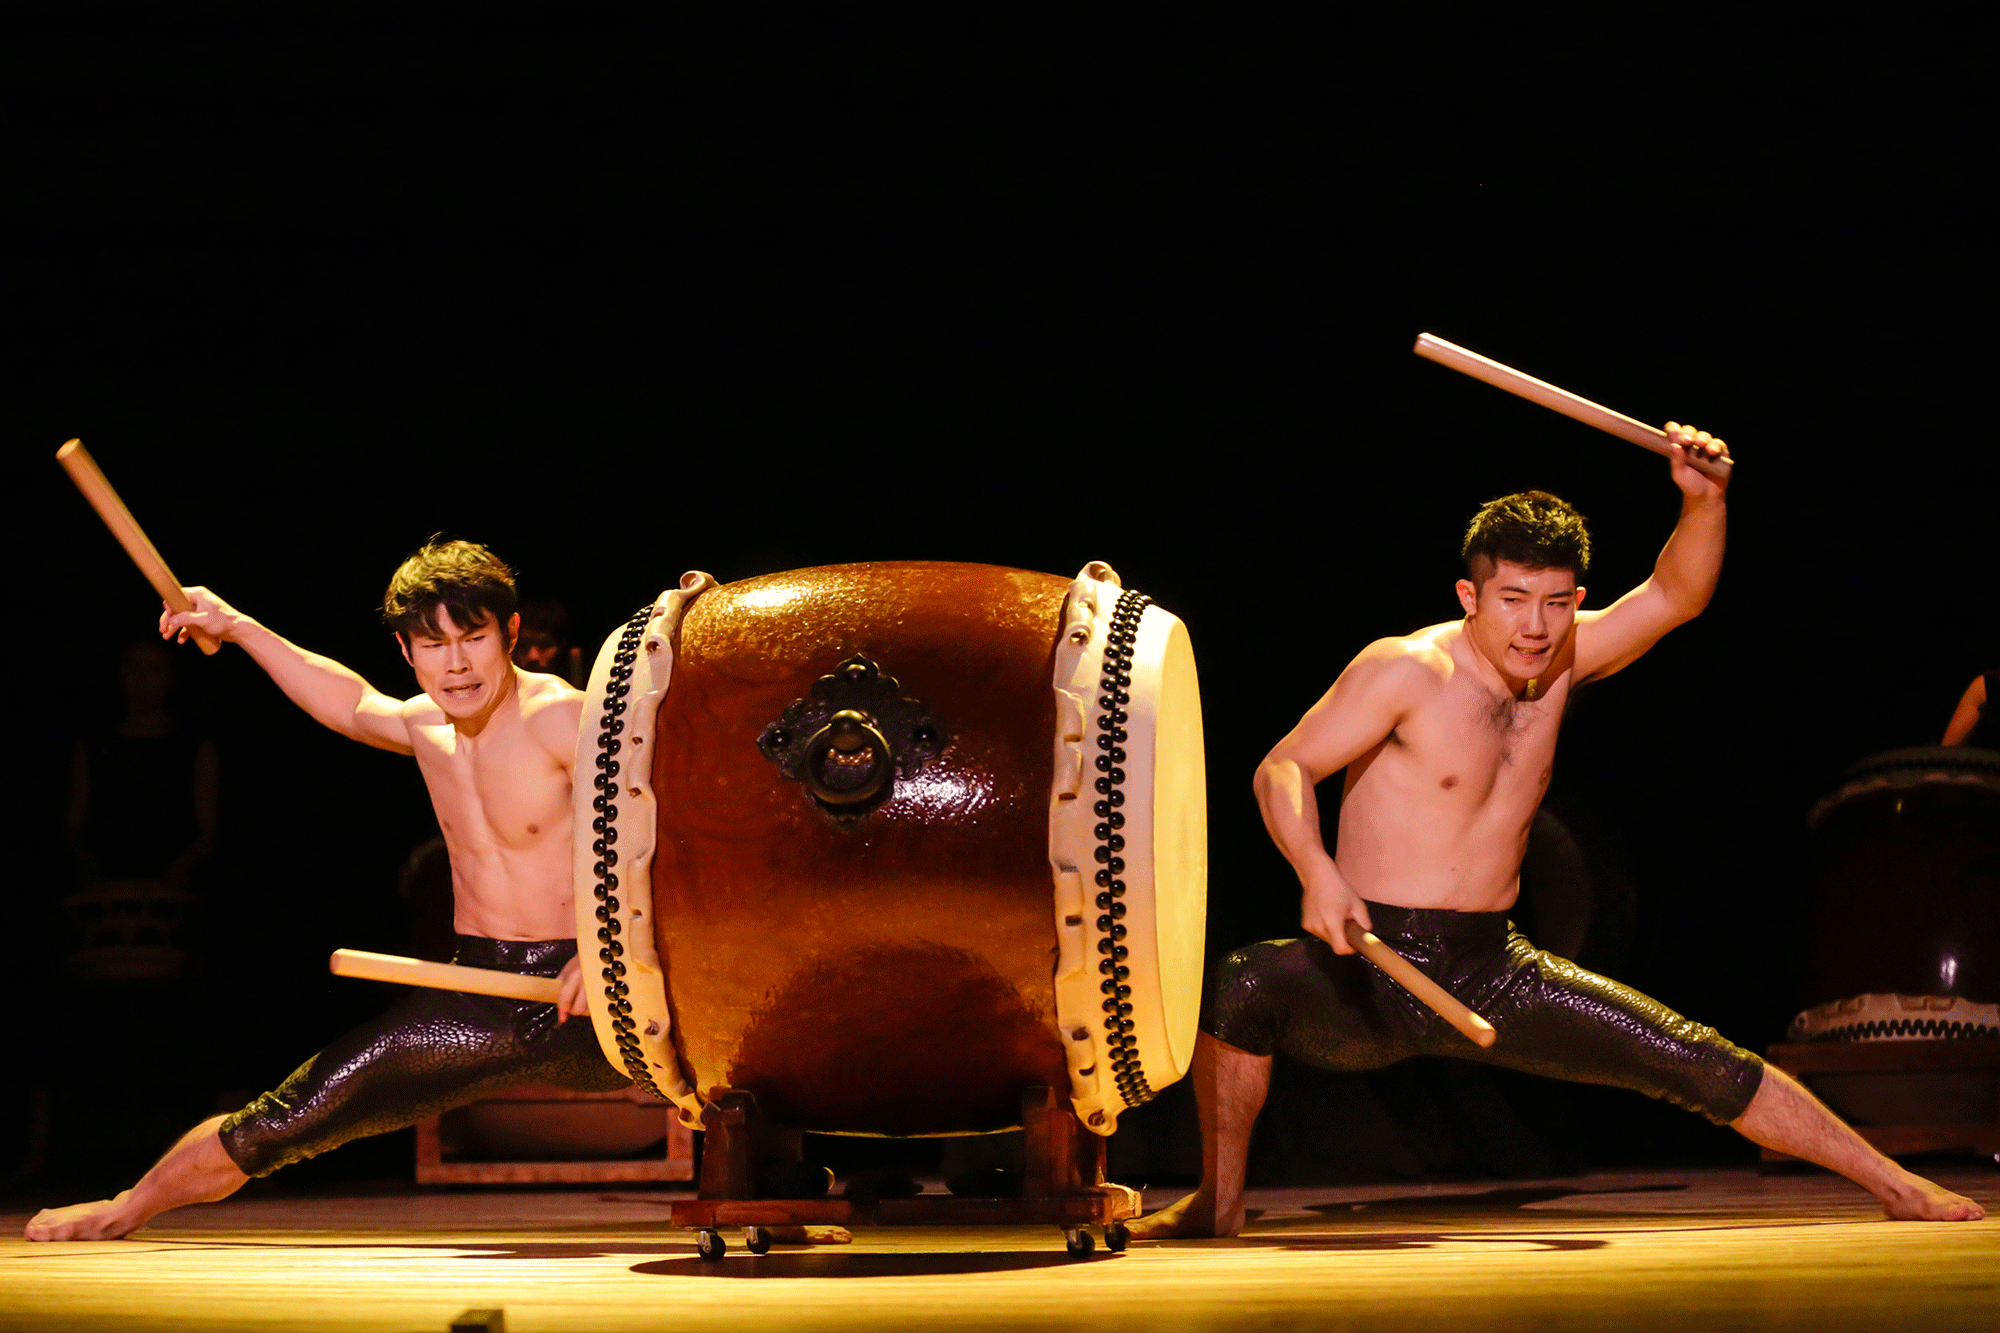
x: 1490, y: 672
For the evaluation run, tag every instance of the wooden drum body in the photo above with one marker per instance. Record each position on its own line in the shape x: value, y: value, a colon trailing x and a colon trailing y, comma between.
x: 837, y: 844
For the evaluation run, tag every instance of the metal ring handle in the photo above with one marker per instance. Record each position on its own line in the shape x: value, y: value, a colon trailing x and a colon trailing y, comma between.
x: 848, y: 731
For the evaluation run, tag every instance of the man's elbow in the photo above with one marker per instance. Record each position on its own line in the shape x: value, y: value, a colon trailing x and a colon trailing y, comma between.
x: 1695, y: 602
x: 1681, y: 612
x: 1274, y: 774
x: 1683, y: 600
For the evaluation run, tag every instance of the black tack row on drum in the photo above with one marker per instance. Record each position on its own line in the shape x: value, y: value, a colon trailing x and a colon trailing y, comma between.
x: 611, y: 951
x: 1114, y: 688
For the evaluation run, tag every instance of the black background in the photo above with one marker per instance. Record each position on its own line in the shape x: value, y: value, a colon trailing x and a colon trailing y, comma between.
x: 623, y: 299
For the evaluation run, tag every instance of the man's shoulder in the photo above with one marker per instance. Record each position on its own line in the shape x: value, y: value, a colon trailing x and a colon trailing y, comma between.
x: 550, y: 705
x: 420, y: 710
x: 1415, y: 660
x: 539, y: 690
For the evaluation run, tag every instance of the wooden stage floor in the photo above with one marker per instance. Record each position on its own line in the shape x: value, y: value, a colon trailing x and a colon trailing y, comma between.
x: 1691, y: 1252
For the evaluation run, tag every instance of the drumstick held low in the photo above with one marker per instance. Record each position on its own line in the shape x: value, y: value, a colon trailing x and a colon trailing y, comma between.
x: 1559, y: 400
x: 1405, y: 974
x: 443, y: 976
x: 89, y: 479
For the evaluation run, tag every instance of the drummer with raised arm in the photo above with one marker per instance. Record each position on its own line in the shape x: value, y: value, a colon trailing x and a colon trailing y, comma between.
x: 496, y: 745
x: 1448, y: 740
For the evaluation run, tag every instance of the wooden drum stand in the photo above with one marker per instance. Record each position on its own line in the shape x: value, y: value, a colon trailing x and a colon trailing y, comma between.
x: 1064, y: 1184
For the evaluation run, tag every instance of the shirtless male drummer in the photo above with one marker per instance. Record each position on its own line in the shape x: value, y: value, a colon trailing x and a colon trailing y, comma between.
x: 1448, y: 736
x: 496, y: 746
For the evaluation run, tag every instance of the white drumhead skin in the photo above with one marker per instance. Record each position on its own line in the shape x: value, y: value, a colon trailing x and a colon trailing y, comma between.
x: 1180, y: 828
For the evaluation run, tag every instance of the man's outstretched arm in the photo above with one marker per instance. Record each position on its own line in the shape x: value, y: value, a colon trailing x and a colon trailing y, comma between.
x: 1363, y: 707
x: 335, y: 696
x: 1683, y: 578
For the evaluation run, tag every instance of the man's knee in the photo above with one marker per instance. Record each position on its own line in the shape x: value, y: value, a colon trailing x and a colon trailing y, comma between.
x: 1727, y: 1081
x: 1694, y: 1067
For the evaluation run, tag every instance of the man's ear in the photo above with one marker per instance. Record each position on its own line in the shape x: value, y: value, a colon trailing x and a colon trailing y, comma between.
x: 403, y: 646
x: 513, y: 632
x: 1468, y: 597
x: 1577, y: 605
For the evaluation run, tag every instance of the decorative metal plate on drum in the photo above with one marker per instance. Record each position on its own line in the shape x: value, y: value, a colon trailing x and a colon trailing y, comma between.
x: 848, y: 741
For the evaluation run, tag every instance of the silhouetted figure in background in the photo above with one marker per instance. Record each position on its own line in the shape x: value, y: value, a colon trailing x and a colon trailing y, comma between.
x: 543, y: 644
x: 141, y: 821
x: 142, y: 817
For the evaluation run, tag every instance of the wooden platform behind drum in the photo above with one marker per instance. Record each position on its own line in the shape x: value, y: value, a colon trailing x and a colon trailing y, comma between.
x: 1679, y: 1252
x: 592, y: 1130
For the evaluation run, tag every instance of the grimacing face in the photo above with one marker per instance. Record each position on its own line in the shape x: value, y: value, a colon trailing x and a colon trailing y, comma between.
x: 1519, y: 617
x: 465, y: 670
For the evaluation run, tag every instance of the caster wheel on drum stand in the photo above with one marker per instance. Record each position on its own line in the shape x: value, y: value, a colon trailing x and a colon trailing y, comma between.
x: 711, y: 1246
x: 1116, y: 1237
x: 1078, y: 1242
x: 756, y: 1240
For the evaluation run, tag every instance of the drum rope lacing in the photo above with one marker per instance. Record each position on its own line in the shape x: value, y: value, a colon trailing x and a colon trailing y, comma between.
x: 612, y: 952
x: 1114, y: 693
x: 1935, y: 1029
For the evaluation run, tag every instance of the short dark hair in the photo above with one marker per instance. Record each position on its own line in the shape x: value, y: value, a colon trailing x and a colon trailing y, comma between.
x: 1534, y: 529
x: 463, y: 577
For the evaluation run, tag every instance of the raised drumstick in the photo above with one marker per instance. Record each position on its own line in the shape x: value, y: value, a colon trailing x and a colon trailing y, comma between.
x: 1416, y: 983
x: 443, y: 976
x: 89, y: 479
x: 1560, y: 400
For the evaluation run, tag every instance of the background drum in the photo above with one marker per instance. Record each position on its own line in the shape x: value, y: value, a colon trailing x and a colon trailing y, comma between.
x: 1905, y: 939
x: 889, y: 844
x: 1908, y: 896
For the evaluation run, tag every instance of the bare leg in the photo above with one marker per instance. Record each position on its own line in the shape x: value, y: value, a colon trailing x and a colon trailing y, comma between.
x: 1784, y: 1116
x: 1229, y: 1086
x: 195, y: 1170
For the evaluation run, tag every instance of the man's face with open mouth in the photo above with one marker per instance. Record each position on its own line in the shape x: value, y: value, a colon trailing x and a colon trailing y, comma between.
x: 464, y: 669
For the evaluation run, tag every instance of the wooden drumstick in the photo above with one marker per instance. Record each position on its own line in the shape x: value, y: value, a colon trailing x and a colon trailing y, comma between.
x: 1560, y: 400
x: 1416, y: 983
x: 443, y: 976
x: 89, y: 479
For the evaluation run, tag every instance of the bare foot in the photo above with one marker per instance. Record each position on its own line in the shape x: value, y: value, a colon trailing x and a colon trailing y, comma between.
x: 106, y: 1219
x: 803, y: 1235
x: 1926, y: 1201
x: 1189, y: 1217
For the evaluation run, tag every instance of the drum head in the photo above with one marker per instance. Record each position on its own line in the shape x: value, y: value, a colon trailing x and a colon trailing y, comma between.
x: 1128, y: 842
x: 1180, y: 835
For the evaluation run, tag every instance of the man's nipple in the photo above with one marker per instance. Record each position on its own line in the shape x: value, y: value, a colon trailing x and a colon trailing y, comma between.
x: 1450, y: 781
x: 532, y: 829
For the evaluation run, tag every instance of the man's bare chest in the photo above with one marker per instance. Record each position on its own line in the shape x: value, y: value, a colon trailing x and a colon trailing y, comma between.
x: 508, y: 788
x: 1486, y: 740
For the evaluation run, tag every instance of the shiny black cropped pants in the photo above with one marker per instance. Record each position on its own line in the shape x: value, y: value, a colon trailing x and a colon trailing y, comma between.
x: 1551, y: 1017
x: 435, y: 1050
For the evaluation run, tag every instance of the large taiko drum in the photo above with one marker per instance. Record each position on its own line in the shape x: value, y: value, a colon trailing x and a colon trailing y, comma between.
x: 889, y: 844
x: 1908, y: 894
x: 1904, y: 943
